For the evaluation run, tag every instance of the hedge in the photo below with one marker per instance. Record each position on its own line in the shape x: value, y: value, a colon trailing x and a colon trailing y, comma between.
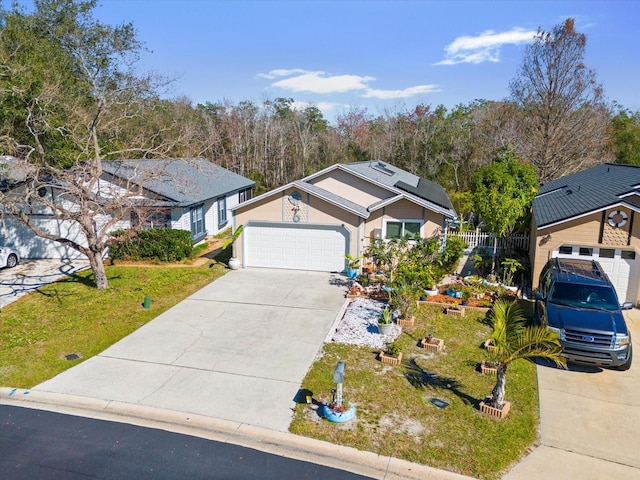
x: 161, y: 244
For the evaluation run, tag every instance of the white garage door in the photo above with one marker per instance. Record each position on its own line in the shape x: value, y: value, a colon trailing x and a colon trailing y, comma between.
x: 295, y: 246
x: 621, y: 265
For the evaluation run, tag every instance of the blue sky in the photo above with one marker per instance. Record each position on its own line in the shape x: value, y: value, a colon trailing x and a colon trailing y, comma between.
x: 379, y: 55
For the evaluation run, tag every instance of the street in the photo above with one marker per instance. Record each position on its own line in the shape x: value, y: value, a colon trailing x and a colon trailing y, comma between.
x: 46, y: 445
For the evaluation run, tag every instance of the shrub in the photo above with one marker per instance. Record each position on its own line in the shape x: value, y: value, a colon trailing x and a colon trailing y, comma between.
x: 163, y: 244
x: 453, y: 250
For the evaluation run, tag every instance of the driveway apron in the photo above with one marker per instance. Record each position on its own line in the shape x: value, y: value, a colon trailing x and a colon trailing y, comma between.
x: 238, y: 349
x: 589, y: 421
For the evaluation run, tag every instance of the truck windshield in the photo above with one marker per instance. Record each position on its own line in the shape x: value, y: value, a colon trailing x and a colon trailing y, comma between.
x: 584, y: 296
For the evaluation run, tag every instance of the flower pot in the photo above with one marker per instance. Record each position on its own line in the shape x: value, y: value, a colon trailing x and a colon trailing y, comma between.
x: 339, y: 417
x: 455, y: 311
x: 488, y: 345
x: 352, y: 273
x: 389, y: 359
x: 386, y: 328
x: 234, y: 263
x: 430, y: 292
x: 495, y: 412
x: 406, y: 322
x: 432, y: 344
x: 488, y: 368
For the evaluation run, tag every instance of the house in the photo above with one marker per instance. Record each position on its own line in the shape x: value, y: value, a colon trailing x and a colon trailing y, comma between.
x: 310, y: 224
x: 188, y: 194
x: 591, y: 214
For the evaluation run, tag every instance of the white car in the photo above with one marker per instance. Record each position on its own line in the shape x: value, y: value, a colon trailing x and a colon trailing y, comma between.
x: 8, y: 257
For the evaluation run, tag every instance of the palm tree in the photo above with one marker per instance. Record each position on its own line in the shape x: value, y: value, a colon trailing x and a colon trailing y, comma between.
x: 514, y: 340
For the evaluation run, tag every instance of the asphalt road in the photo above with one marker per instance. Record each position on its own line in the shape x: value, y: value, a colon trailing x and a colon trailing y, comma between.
x: 46, y: 445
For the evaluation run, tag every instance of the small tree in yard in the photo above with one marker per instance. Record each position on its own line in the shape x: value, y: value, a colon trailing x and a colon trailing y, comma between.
x: 502, y: 193
x: 514, y: 340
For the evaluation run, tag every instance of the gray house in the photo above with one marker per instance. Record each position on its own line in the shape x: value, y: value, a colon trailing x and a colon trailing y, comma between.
x: 188, y: 194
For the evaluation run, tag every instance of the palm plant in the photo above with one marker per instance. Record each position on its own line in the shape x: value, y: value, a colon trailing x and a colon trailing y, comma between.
x: 514, y: 340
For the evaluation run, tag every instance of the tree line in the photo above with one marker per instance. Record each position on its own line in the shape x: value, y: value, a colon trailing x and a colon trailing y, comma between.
x: 71, y: 97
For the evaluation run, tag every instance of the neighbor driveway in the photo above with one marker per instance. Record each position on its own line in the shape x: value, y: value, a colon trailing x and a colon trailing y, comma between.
x: 589, y: 421
x: 29, y: 275
x: 238, y: 349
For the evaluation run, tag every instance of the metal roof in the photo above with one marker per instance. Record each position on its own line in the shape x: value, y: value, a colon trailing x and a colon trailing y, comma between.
x: 585, y: 192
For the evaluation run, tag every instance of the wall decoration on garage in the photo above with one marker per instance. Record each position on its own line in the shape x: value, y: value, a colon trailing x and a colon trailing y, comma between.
x: 617, y: 218
x: 295, y: 210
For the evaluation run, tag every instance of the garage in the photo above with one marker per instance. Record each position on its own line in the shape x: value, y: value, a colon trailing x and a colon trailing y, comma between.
x: 29, y: 245
x: 295, y: 246
x: 620, y: 264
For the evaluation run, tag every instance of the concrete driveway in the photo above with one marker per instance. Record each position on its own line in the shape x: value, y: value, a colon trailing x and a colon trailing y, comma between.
x: 237, y: 350
x: 29, y: 275
x: 589, y: 421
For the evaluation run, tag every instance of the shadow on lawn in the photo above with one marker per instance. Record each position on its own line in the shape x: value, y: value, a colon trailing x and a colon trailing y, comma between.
x: 421, y: 378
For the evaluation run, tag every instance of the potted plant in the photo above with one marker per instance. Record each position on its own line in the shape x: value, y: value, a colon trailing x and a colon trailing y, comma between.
x: 455, y: 290
x: 234, y: 262
x: 403, y: 299
x: 386, y: 321
x: 353, y: 265
x: 466, y: 296
x: 392, y: 355
x: 456, y: 310
x: 513, y: 340
x: 509, y: 267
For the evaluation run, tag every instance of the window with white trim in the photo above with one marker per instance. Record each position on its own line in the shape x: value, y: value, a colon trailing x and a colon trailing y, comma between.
x: 402, y: 228
x: 197, y: 221
x: 222, y: 211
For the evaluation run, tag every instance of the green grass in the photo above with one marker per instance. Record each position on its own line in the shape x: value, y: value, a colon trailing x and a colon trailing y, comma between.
x: 395, y: 416
x: 72, y: 316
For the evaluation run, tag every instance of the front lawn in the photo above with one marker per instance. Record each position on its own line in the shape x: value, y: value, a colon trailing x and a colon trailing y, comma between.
x: 72, y: 316
x: 395, y: 416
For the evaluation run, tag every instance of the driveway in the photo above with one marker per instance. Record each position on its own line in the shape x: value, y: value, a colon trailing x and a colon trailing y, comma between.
x: 589, y: 421
x: 29, y: 275
x: 238, y: 349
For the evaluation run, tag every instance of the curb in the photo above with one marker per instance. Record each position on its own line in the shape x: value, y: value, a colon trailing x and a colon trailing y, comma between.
x: 270, y: 441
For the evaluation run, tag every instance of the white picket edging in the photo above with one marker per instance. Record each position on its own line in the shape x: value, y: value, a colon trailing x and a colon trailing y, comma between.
x: 483, y: 239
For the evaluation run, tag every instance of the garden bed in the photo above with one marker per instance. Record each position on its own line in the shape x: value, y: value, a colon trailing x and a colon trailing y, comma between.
x: 396, y: 412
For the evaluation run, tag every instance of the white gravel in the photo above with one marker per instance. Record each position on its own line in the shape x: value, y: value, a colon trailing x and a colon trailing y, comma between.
x: 359, y: 325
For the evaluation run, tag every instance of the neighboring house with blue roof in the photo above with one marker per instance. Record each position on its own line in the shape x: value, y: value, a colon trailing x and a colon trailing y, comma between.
x: 188, y: 194
x: 310, y: 224
x: 591, y: 214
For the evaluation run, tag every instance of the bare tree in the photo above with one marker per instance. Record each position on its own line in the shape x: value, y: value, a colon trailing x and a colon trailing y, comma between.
x: 563, y: 115
x: 72, y: 90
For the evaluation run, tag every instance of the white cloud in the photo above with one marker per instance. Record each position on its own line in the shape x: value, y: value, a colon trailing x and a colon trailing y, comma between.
x: 319, y: 82
x: 282, y: 72
x: 407, y: 92
x: 322, y: 106
x: 484, y: 47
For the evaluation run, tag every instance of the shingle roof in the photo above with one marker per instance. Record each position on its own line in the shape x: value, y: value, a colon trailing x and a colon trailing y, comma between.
x: 584, y: 192
x: 184, y: 181
x: 397, y: 178
x: 332, y: 198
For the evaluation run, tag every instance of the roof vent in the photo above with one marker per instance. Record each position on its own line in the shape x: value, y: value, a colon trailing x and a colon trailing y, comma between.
x: 382, y: 167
